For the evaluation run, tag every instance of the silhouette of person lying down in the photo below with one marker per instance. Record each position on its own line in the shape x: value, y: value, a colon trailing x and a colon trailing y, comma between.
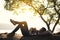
x: 22, y: 25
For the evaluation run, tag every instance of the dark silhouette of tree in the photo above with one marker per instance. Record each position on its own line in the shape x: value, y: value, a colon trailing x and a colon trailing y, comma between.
x: 51, y: 10
x: 56, y: 3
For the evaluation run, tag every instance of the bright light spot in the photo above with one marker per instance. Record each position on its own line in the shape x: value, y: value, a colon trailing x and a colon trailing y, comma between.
x: 22, y: 24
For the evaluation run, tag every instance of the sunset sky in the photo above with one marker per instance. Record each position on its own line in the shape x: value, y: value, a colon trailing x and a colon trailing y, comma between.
x: 27, y: 15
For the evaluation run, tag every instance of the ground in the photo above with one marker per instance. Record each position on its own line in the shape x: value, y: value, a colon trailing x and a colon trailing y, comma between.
x: 3, y: 36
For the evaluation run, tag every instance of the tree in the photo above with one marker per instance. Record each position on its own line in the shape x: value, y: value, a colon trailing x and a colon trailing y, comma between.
x: 48, y: 8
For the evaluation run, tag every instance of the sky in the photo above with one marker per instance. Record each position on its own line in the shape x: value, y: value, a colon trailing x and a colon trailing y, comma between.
x: 7, y: 26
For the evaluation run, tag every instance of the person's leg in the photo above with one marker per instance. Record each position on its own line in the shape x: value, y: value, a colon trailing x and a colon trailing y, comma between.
x: 24, y: 29
x: 23, y: 26
x: 15, y: 29
x: 12, y: 21
x: 16, y: 22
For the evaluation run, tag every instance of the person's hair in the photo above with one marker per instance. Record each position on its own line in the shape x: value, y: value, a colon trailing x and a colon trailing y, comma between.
x: 42, y: 29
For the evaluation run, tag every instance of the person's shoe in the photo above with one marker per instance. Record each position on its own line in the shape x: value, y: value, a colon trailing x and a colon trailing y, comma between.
x: 12, y: 21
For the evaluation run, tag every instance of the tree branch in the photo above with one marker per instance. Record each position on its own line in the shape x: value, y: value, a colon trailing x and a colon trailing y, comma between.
x: 55, y: 7
x: 55, y: 25
x: 58, y: 15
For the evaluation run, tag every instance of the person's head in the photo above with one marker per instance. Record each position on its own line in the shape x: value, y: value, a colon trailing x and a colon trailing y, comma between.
x: 42, y: 29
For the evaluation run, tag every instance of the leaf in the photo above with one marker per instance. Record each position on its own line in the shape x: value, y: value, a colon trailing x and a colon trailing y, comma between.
x: 50, y: 0
x: 50, y: 4
x: 7, y: 0
x: 48, y: 20
x: 59, y: 22
x: 15, y: 13
x: 35, y: 13
x: 45, y: 12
